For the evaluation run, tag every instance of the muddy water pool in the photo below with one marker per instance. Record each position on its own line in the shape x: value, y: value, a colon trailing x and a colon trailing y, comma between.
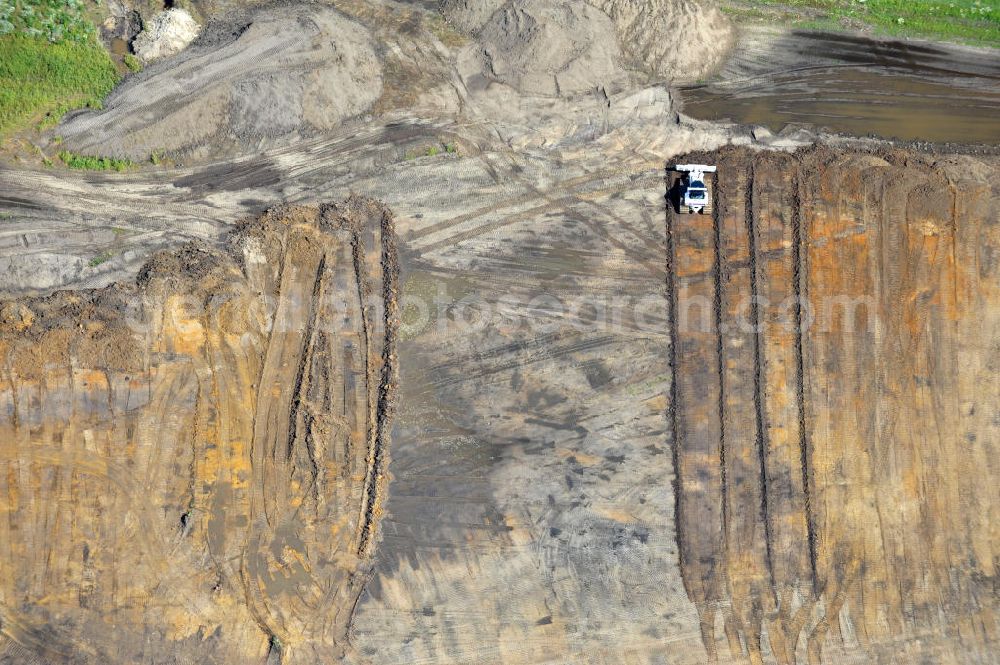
x: 855, y: 85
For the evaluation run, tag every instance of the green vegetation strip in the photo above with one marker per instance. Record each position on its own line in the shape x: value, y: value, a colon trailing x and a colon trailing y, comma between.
x: 50, y: 63
x: 91, y: 163
x: 970, y: 21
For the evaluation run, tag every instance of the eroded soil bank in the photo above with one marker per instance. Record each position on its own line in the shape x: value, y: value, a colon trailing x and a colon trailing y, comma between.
x: 195, y: 462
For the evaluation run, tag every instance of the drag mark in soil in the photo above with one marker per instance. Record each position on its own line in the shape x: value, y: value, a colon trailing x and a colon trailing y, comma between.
x: 783, y: 428
x: 799, y: 239
x: 377, y: 482
x: 694, y: 413
x: 672, y: 363
x: 758, y: 354
x: 718, y: 214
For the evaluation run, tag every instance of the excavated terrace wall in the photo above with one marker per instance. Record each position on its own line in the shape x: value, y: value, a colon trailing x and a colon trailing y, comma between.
x: 836, y: 410
x: 196, y: 464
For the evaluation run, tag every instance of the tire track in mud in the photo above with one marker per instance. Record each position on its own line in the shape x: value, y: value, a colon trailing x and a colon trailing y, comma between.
x: 695, y: 390
x: 533, y: 193
x: 744, y: 548
x: 388, y: 379
x: 299, y: 162
x: 145, y: 203
x: 514, y: 359
x: 719, y: 271
x: 586, y: 188
x: 330, y: 590
x: 672, y: 411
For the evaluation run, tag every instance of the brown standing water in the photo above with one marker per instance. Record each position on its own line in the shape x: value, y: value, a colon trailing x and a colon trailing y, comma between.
x: 855, y: 85
x: 119, y: 46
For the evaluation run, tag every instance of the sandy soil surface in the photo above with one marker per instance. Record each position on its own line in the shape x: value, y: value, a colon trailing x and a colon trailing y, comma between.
x: 674, y: 40
x: 268, y: 76
x: 551, y: 48
x: 587, y: 466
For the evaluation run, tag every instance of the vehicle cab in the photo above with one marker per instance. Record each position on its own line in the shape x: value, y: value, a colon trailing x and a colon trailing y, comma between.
x: 695, y: 194
x: 696, y: 188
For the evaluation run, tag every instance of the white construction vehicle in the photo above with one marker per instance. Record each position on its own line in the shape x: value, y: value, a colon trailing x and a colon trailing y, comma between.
x: 695, y: 194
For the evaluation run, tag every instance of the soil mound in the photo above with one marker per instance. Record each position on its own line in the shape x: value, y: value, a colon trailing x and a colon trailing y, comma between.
x: 470, y: 15
x: 279, y: 74
x: 550, y: 48
x: 678, y: 40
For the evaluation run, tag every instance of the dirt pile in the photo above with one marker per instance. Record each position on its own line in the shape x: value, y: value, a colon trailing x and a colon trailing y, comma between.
x: 470, y: 15
x: 167, y: 34
x: 550, y: 48
x: 273, y: 74
x: 121, y: 23
x: 676, y: 40
x: 195, y: 464
x: 835, y: 406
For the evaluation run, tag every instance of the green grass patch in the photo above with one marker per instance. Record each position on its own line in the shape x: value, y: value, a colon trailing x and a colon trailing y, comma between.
x: 52, y: 20
x: 41, y: 81
x: 970, y: 21
x: 103, y: 257
x: 432, y: 150
x: 50, y: 63
x: 91, y: 163
x: 133, y: 63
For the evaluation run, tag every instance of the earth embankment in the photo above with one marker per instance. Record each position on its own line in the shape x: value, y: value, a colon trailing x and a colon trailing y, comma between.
x: 200, y: 457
